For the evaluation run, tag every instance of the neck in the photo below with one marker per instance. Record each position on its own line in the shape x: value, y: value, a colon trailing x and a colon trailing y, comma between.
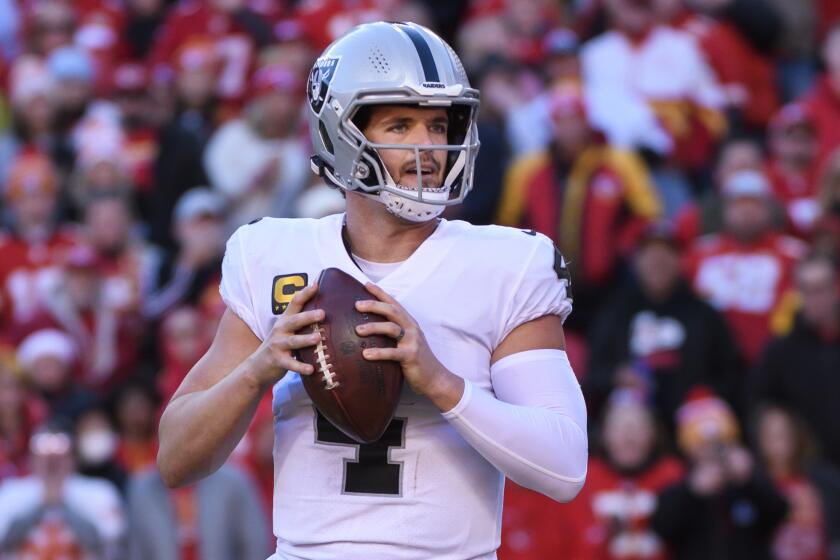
x: 378, y: 236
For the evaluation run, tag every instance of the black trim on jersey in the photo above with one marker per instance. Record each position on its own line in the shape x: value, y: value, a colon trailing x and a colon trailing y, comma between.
x: 427, y: 60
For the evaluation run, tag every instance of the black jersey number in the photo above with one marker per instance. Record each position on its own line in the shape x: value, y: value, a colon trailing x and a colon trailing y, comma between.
x: 370, y: 472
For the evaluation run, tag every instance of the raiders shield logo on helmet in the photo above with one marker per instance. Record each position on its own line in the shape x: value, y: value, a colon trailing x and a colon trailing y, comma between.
x: 319, y: 81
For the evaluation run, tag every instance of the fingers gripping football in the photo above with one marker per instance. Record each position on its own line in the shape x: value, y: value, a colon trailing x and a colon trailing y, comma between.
x: 282, y: 341
x: 420, y: 366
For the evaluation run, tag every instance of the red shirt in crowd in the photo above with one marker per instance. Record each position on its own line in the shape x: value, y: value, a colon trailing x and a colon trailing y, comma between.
x: 610, y: 517
x: 802, y: 536
x: 747, y: 282
x: 28, y: 271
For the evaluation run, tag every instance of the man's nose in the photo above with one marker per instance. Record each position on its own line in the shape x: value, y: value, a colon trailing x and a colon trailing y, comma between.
x: 421, y: 135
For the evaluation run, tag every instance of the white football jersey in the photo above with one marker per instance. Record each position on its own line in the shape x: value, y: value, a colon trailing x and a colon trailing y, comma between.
x: 420, y: 492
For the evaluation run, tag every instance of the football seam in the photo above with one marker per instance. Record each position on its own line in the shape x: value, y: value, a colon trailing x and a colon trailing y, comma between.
x: 322, y: 359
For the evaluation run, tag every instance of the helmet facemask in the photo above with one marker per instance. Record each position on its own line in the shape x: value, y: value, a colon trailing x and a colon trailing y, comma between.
x: 419, y: 201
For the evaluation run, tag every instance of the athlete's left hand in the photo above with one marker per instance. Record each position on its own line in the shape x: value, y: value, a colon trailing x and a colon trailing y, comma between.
x: 422, y: 370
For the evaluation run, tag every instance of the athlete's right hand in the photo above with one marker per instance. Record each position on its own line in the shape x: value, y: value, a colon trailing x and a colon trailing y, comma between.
x: 275, y: 356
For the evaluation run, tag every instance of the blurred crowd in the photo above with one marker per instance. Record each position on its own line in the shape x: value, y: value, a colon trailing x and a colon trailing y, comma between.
x: 683, y: 155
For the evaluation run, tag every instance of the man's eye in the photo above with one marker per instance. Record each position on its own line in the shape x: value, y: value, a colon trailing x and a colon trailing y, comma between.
x: 438, y: 128
x: 397, y: 128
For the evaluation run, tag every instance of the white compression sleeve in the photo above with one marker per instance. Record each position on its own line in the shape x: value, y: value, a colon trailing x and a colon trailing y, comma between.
x: 534, y: 429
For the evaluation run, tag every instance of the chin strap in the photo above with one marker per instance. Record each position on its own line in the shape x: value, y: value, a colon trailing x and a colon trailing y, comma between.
x: 413, y: 210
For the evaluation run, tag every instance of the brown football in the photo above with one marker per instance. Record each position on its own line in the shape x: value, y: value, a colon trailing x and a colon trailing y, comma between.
x: 358, y: 396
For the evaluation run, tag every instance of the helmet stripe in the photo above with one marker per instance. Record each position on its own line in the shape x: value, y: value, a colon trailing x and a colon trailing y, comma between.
x: 427, y: 60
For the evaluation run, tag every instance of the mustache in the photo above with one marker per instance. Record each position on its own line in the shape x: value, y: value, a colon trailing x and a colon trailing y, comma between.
x: 430, y: 163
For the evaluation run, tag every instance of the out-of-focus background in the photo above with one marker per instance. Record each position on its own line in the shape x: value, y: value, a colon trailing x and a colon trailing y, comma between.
x: 681, y: 153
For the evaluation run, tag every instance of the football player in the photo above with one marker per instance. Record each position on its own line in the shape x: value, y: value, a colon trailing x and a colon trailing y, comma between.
x: 477, y: 314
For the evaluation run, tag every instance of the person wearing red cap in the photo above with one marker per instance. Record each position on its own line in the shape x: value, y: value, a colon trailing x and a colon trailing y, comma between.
x: 259, y: 161
x: 580, y: 192
x: 792, y: 169
x: 33, y: 245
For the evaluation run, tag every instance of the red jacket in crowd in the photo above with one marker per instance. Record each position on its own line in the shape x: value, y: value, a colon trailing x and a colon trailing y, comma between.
x: 750, y: 283
x: 595, y: 212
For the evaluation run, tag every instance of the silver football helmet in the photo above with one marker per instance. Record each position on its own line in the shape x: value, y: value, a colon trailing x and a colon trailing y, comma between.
x: 391, y: 63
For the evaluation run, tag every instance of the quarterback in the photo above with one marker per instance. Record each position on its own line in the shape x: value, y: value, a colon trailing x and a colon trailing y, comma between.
x: 477, y: 314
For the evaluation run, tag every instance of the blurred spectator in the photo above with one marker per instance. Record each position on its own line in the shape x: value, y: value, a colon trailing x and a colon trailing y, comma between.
x: 649, y: 86
x: 811, y: 530
x: 580, y: 192
x: 190, y: 275
x: 55, y: 512
x: 135, y: 411
x: 19, y: 414
x: 795, y: 61
x: 799, y: 370
x: 726, y: 507
x: 32, y: 113
x: 139, y: 119
x: 792, y: 169
x: 108, y: 340
x: 231, y: 28
x: 73, y: 75
x: 705, y: 215
x: 529, y: 124
x: 96, y: 448
x: 34, y: 245
x: 496, y: 79
x: 128, y: 265
x: 824, y: 99
x: 182, y: 140
x: 49, y: 24
x: 737, y: 38
x: 610, y: 518
x: 746, y: 271
x: 47, y: 358
x: 144, y: 17
x: 100, y: 31
x: 218, y: 518
x: 259, y: 162
x: 184, y: 339
x: 658, y: 338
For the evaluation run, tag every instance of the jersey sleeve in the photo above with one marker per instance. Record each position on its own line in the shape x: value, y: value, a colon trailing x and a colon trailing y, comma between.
x: 543, y: 288
x: 235, y: 286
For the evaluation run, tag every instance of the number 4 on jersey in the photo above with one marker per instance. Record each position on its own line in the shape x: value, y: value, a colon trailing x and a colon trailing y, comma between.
x: 370, y: 472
